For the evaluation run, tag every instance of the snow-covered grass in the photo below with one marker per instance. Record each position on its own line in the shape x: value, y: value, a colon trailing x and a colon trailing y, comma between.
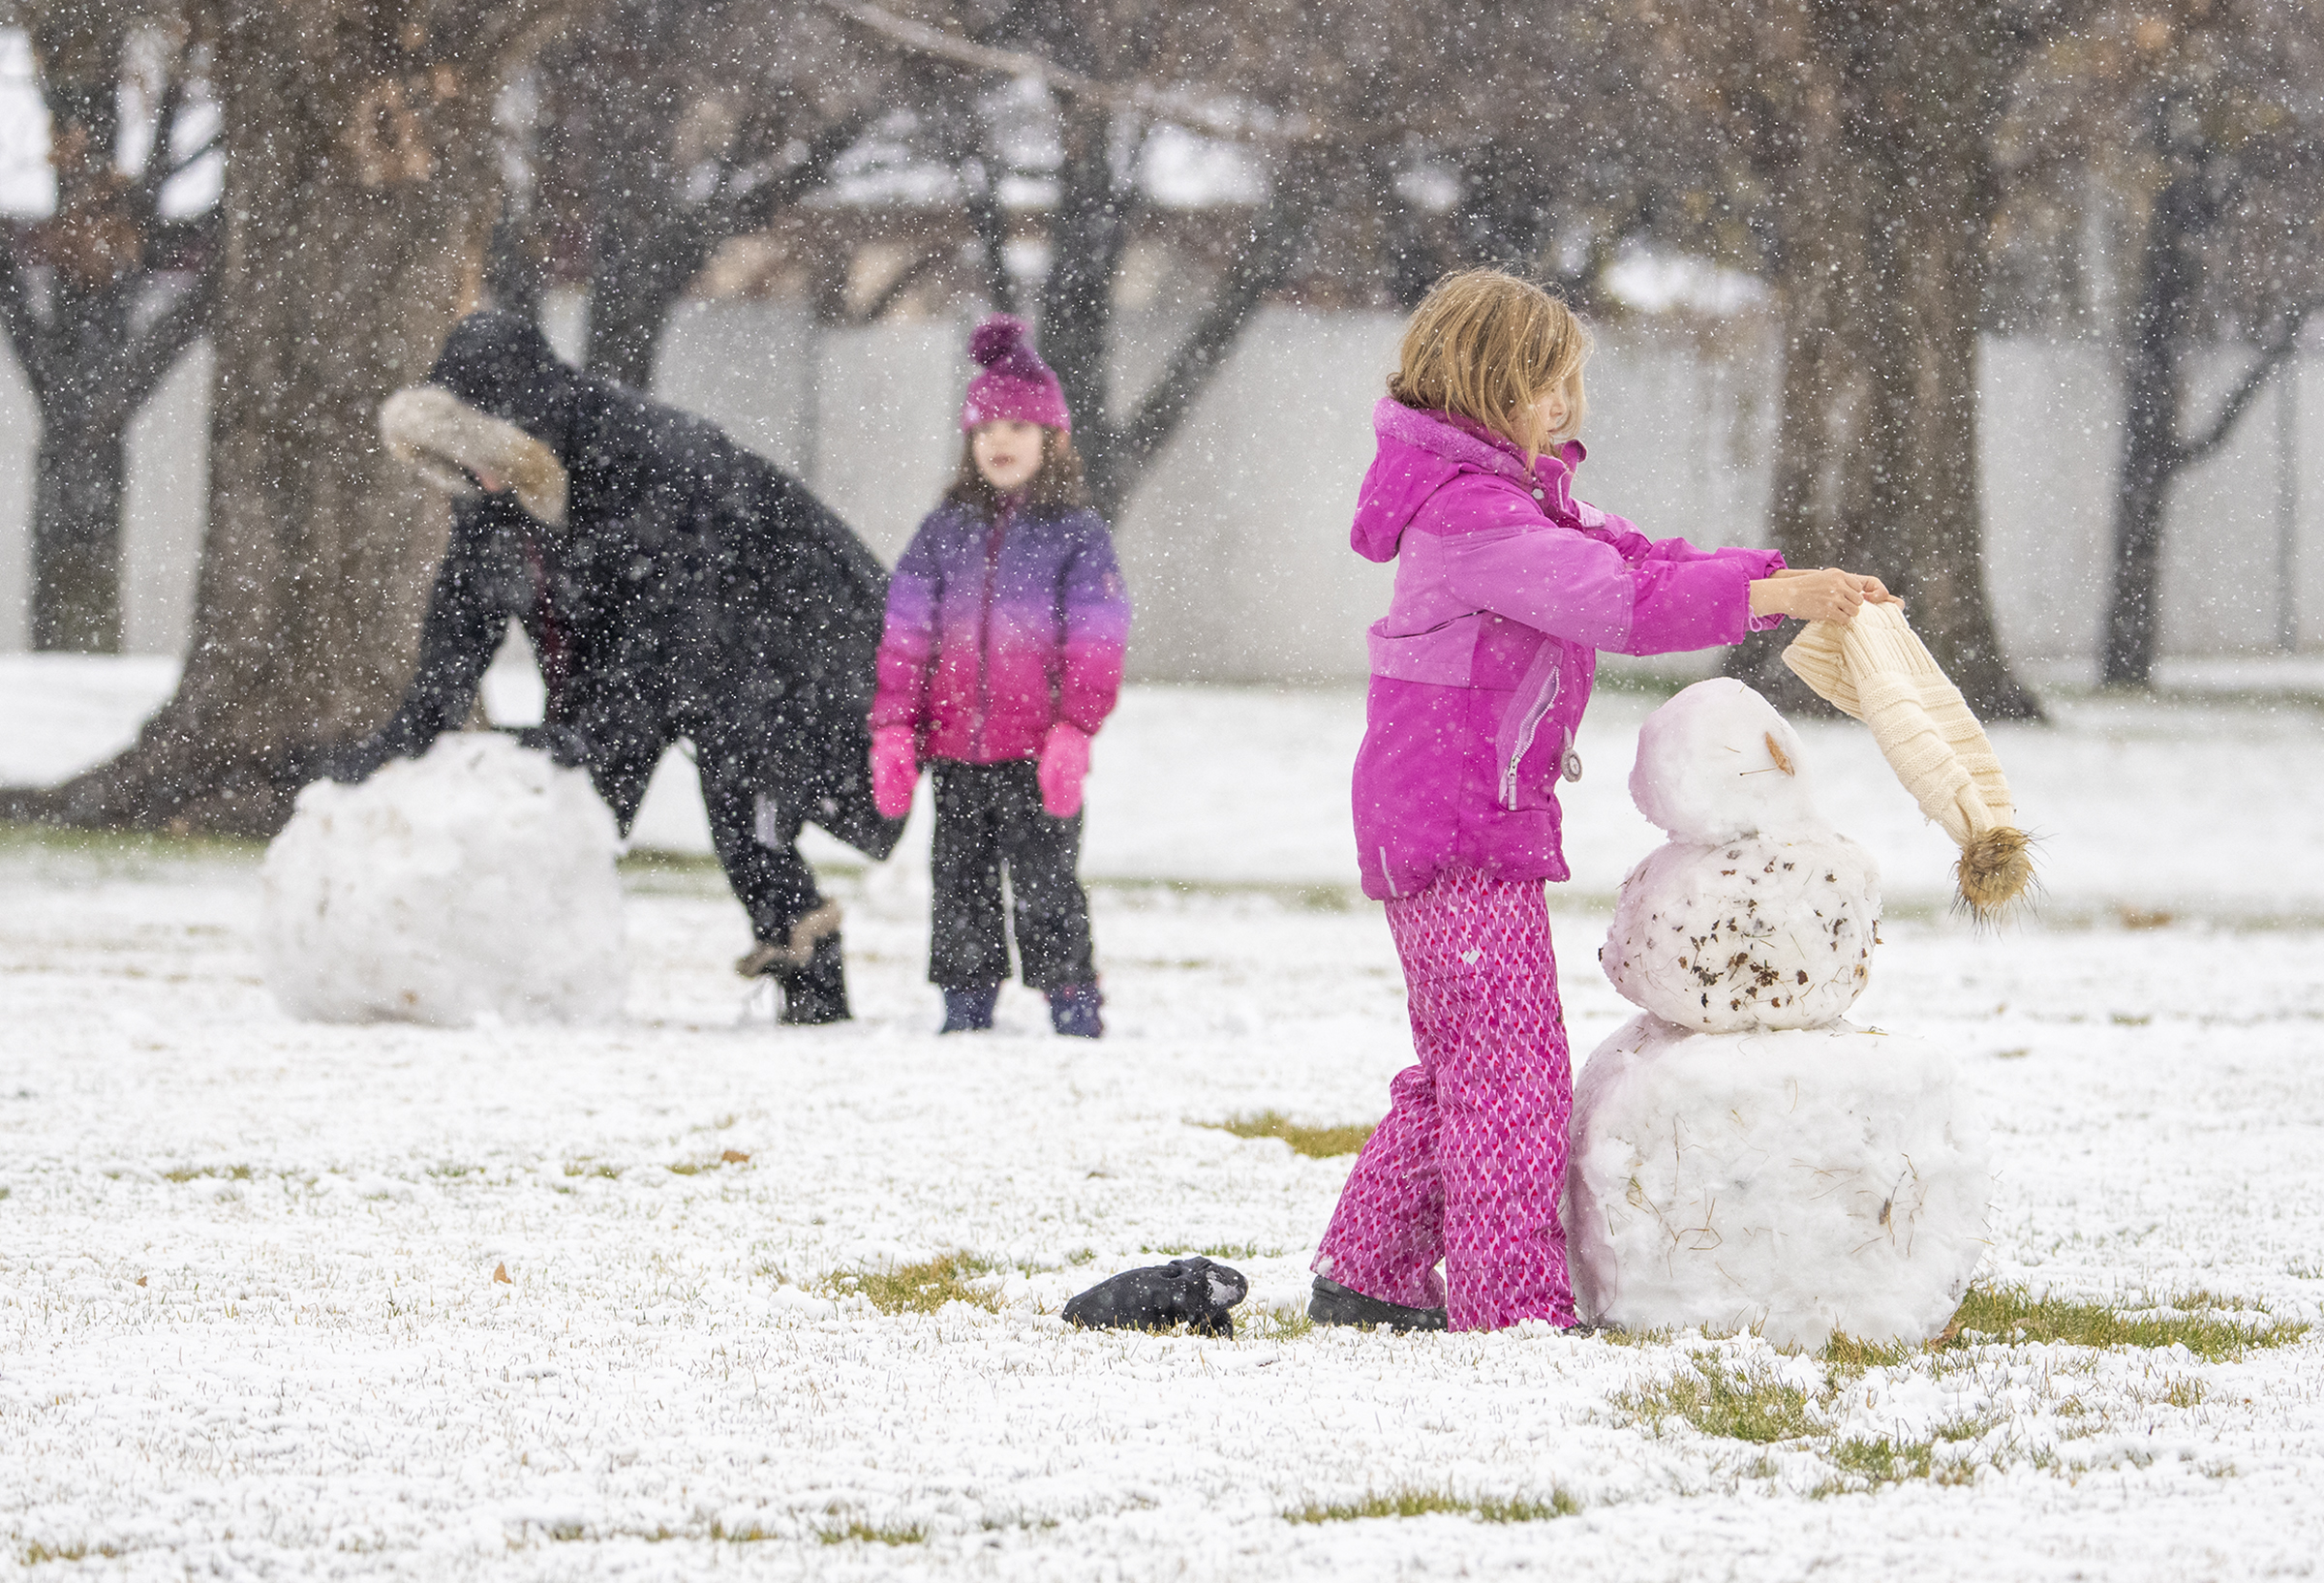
x: 250, y: 1324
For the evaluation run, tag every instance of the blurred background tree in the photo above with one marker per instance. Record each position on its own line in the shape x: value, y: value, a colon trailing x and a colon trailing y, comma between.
x: 100, y: 299
x: 359, y: 186
x: 2204, y: 120
x: 1870, y: 137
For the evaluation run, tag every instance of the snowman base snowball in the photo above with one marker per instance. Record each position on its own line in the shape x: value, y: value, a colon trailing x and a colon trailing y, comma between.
x: 1800, y: 1182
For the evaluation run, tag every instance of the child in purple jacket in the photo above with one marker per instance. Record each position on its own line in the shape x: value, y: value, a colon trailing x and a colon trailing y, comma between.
x: 1507, y: 587
x: 1001, y: 657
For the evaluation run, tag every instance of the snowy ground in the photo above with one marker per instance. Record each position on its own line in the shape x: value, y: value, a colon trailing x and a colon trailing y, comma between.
x: 249, y: 1324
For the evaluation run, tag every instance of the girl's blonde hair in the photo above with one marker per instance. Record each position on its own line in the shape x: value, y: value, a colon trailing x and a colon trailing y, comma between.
x: 1486, y: 345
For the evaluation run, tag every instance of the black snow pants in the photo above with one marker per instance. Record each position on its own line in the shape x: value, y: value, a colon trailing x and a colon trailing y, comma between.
x: 988, y: 817
x: 755, y: 838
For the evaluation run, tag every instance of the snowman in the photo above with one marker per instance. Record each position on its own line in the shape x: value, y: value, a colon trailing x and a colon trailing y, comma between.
x: 1742, y: 1156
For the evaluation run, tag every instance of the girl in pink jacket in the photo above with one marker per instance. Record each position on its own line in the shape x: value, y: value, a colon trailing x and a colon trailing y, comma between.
x: 1000, y: 658
x: 1507, y: 587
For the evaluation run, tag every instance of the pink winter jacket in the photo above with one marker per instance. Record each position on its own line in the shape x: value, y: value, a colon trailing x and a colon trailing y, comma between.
x: 1507, y: 587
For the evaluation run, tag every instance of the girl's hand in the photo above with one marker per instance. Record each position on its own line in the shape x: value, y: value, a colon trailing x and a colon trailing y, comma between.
x: 1819, y: 595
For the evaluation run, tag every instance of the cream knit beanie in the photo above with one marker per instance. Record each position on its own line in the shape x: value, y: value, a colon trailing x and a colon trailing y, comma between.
x: 1874, y: 669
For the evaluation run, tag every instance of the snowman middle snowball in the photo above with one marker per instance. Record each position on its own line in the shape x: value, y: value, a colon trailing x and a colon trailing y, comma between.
x: 1757, y: 914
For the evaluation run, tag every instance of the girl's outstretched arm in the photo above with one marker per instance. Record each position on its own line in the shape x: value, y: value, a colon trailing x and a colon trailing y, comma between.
x: 1581, y: 589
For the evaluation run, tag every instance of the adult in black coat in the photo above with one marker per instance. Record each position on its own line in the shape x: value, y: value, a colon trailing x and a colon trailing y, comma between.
x: 672, y: 585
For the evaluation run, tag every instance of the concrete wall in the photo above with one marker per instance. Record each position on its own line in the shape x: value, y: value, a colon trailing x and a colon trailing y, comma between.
x: 1236, y: 545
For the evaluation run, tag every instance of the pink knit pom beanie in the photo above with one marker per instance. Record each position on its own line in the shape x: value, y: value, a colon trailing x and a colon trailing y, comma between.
x: 1016, y: 383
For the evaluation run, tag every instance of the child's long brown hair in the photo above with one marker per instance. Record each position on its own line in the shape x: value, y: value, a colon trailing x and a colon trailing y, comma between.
x: 1058, y: 487
x: 1486, y: 345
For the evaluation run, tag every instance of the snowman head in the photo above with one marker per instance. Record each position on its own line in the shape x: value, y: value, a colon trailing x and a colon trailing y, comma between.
x: 1717, y: 763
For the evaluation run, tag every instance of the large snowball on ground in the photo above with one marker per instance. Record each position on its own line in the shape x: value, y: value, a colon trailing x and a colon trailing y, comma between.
x: 1806, y: 1182
x: 1717, y: 762
x: 478, y: 879
x: 1753, y: 933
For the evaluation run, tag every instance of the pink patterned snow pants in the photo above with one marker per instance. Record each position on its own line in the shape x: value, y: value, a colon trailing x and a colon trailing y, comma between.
x: 1468, y: 1164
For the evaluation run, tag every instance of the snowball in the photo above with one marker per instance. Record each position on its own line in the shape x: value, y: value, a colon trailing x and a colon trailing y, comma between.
x: 476, y: 879
x: 1717, y: 762
x: 1805, y: 1182
x: 1753, y: 933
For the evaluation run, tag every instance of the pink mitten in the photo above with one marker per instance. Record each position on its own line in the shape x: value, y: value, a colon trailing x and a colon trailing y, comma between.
x: 894, y: 768
x: 1064, y: 766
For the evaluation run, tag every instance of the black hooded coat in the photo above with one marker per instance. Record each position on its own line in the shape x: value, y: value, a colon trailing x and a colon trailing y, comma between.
x: 695, y: 590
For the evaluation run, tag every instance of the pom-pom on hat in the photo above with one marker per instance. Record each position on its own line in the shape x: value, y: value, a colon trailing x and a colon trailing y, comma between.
x: 1016, y: 384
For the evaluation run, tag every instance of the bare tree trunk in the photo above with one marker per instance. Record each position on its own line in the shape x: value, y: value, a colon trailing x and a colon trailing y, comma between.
x: 2154, y: 393
x: 80, y: 475
x: 359, y: 190
x: 1881, y: 218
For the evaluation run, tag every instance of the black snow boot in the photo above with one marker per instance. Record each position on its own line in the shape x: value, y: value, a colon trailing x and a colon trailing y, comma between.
x: 1191, y: 1291
x: 817, y: 992
x: 807, y: 967
x: 1336, y: 1304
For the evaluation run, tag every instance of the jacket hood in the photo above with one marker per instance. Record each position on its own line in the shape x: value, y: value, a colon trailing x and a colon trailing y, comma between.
x: 502, y: 364
x: 1421, y: 452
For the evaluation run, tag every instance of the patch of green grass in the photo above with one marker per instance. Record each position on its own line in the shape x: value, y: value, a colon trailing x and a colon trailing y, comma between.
x: 1217, y: 1250
x: 882, y: 1534
x: 1410, y: 1502
x: 1316, y: 1142
x: 1884, y: 1461
x: 2215, y: 1329
x: 190, y: 1173
x: 922, y: 1288
x: 1613, y: 1335
x: 1868, y: 1464
x: 1851, y: 1356
x: 123, y: 851
x: 591, y: 1167
x: 36, y: 1552
x: 1276, y: 1325
x: 2182, y: 1391
x: 1747, y: 1403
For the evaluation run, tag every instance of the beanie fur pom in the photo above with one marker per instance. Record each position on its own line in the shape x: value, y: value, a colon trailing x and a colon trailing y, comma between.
x: 1996, y: 867
x: 996, y: 338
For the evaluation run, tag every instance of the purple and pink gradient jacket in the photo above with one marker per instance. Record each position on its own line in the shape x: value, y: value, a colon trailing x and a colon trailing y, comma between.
x: 1000, y: 628
x: 1507, y: 587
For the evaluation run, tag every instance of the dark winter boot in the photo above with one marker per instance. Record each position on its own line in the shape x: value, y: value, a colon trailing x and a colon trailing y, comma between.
x: 1336, y: 1304
x: 1073, y: 1011
x: 1191, y: 1291
x: 807, y: 967
x: 969, y: 1011
x: 817, y: 992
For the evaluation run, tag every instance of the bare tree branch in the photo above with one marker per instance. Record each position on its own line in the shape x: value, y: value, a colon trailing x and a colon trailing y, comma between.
x: 991, y: 223
x: 2272, y: 357
x: 909, y: 276
x: 23, y: 325
x: 1258, y: 267
x: 158, y: 350
x: 751, y: 208
x: 1202, y: 111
